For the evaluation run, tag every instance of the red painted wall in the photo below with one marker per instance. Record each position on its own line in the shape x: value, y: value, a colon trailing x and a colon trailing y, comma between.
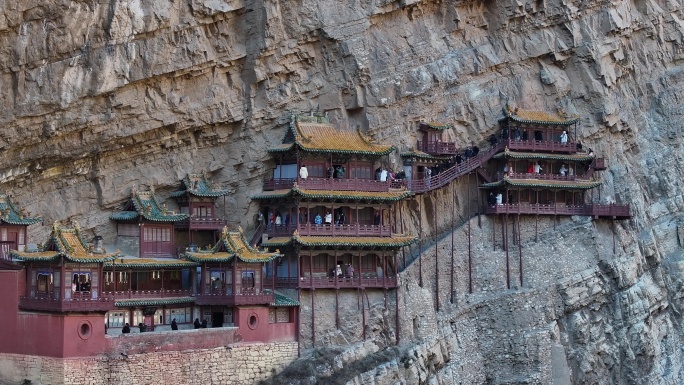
x: 263, y: 331
x: 9, y: 302
x: 171, y: 340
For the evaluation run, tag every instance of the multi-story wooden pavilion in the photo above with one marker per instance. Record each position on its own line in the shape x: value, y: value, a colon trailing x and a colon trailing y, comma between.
x: 542, y: 170
x: 432, y: 140
x: 234, y: 290
x: 14, y: 221
x: 197, y: 198
x: 333, y: 220
x: 148, y: 226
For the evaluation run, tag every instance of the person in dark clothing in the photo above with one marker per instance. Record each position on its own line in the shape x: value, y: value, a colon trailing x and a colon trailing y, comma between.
x: 459, y: 159
x: 579, y: 146
x: 376, y: 218
x: 468, y: 153
x: 476, y: 150
x: 204, y: 323
x: 142, y: 327
x: 493, y: 140
x: 524, y: 135
x: 504, y: 133
x: 197, y: 323
x: 126, y: 329
x: 174, y: 325
x: 516, y: 133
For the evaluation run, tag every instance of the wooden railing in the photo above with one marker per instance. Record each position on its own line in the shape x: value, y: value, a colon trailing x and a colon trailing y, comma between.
x: 337, y: 184
x: 201, y: 223
x: 258, y: 232
x: 143, y: 294
x: 595, y: 210
x: 65, y: 305
x: 549, y: 176
x: 327, y: 229
x: 541, y: 145
x: 307, y: 282
x: 437, y: 148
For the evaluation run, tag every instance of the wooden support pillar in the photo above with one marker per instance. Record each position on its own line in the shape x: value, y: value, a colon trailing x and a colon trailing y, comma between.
x: 363, y: 312
x: 337, y: 307
x: 453, y: 229
x: 396, y: 317
x: 434, y: 222
x: 520, y: 253
x: 508, y: 266
x: 403, y: 249
x: 420, y: 241
x: 313, y: 318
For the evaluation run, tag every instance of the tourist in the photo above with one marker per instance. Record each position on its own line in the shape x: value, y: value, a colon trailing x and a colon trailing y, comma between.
x: 378, y: 172
x: 491, y: 199
x: 504, y: 133
x: 278, y: 220
x: 516, y: 133
x: 591, y: 153
x: 205, y: 322
x: 338, y: 271
x: 537, y: 168
x: 331, y: 172
x: 579, y: 146
x: 350, y: 270
x: 342, y: 219
x: 563, y: 170
x: 318, y: 220
x: 142, y: 327
x: 328, y: 218
x: 459, y: 159
x: 341, y: 172
x: 271, y: 218
x: 493, y: 140
x: 530, y: 168
x: 383, y: 175
x: 428, y: 175
x: 499, y: 199
x: 260, y: 218
x: 174, y: 325
x: 126, y: 329
x: 197, y: 323
x: 571, y: 171
x: 564, y: 138
x: 376, y: 218
x: 476, y: 150
x: 303, y: 172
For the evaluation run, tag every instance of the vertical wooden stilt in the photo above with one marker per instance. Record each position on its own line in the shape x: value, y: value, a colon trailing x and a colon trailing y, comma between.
x: 520, y: 253
x: 508, y: 265
x: 420, y: 241
x: 396, y: 318
x: 434, y: 222
x: 403, y: 249
x: 313, y: 318
x: 337, y: 308
x: 453, y: 229
x: 613, y: 226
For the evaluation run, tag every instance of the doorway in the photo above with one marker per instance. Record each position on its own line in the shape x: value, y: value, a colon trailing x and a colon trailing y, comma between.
x: 217, y: 319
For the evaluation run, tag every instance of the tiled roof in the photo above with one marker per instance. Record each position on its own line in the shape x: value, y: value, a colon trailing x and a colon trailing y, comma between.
x: 421, y: 155
x: 317, y: 134
x: 198, y: 185
x: 321, y: 241
x: 233, y: 244
x: 540, y: 183
x: 540, y: 117
x: 543, y: 156
x: 388, y: 196
x: 66, y: 242
x: 133, y: 263
x: 436, y: 125
x: 153, y: 301
x: 281, y: 300
x: 146, y: 205
x: 12, y: 214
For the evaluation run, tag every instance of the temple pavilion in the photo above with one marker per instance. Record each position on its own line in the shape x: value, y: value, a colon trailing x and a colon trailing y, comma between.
x: 543, y: 169
x: 14, y: 221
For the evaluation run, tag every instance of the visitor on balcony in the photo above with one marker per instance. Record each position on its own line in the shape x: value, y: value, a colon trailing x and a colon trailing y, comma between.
x: 571, y: 171
x: 579, y: 146
x: 537, y: 168
x: 338, y: 271
x: 564, y: 138
x: 318, y: 220
x: 340, y: 172
x: 504, y: 133
x: 530, y: 168
x: 468, y: 153
x: 328, y: 218
x: 475, y: 149
x: 197, y: 323
x: 516, y: 133
x: 383, y: 175
x: 303, y: 172
x: 205, y: 322
x: 174, y: 325
x: 271, y: 218
x: 278, y: 220
x: 126, y: 329
x: 287, y: 219
x: 563, y: 170
x: 349, y: 271
x: 376, y: 218
x: 331, y: 172
x: 499, y: 199
x: 491, y: 199
x: 378, y: 172
x: 260, y: 218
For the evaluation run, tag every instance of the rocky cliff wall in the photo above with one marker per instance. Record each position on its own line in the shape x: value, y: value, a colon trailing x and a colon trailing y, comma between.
x: 100, y: 97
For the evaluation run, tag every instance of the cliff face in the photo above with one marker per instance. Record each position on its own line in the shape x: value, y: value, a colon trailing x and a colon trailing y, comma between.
x: 100, y: 97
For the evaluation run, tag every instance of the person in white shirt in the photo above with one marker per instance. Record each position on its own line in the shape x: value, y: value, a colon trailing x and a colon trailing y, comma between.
x: 563, y: 170
x: 303, y: 172
x: 328, y: 218
x: 499, y: 199
x: 571, y: 171
x: 383, y: 175
x: 564, y: 138
x: 537, y: 168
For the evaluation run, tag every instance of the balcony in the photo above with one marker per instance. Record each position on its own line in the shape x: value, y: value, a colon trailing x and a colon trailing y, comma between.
x: 365, y: 281
x: 367, y: 185
x: 558, y: 177
x: 200, y: 224
x: 595, y: 210
x: 81, y: 304
x: 600, y: 164
x: 541, y: 145
x: 350, y: 230
x: 144, y: 294
x: 437, y: 148
x: 245, y: 298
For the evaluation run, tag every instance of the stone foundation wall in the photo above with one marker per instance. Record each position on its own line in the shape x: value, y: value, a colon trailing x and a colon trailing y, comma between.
x: 235, y: 364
